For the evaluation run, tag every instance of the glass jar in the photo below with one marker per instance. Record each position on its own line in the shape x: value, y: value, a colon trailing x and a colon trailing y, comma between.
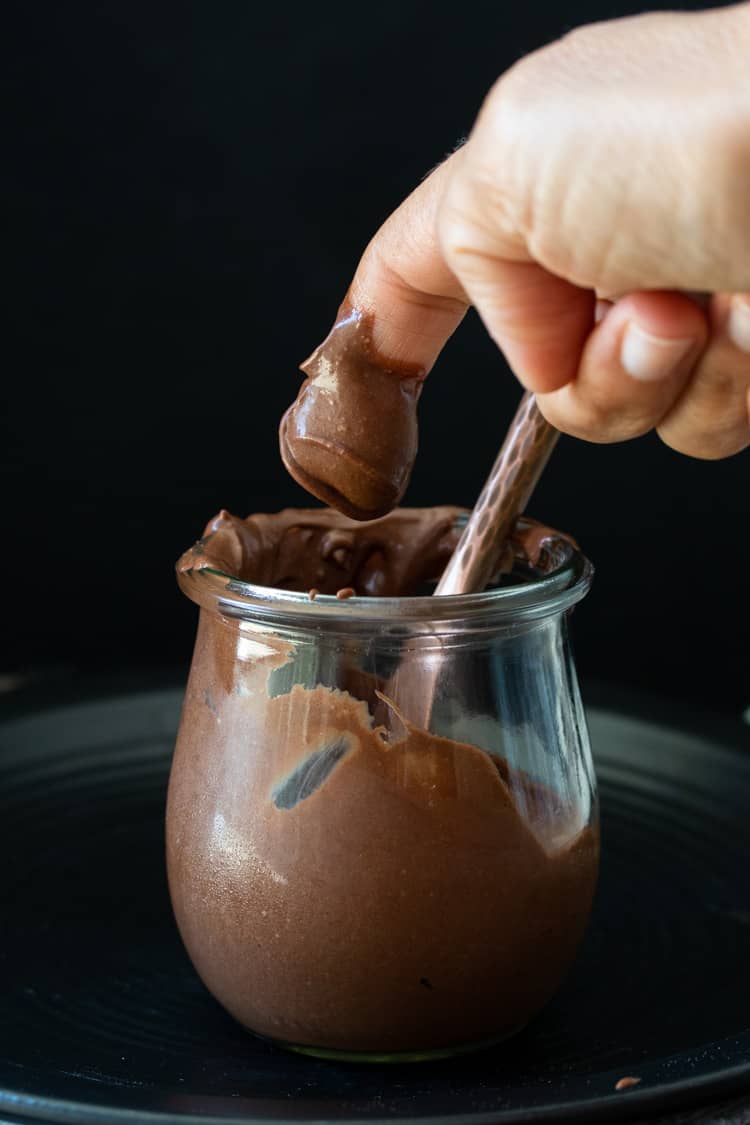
x: 382, y: 834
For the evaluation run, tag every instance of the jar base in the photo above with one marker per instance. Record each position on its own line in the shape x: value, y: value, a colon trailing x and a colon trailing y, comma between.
x: 433, y: 1054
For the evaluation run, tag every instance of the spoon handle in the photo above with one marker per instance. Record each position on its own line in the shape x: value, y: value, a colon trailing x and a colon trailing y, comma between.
x: 520, y: 462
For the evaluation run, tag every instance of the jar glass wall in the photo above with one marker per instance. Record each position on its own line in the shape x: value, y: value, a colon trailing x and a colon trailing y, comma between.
x: 382, y: 831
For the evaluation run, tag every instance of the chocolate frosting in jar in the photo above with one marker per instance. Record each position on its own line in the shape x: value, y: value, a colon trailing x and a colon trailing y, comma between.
x: 319, y: 549
x: 350, y: 438
x: 303, y: 549
x: 408, y: 901
x: 343, y: 879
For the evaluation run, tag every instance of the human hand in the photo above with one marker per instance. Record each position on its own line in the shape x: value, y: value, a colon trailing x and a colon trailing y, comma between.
x: 612, y: 164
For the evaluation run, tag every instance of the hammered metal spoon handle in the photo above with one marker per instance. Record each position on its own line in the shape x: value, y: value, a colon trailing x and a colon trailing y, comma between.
x: 520, y: 462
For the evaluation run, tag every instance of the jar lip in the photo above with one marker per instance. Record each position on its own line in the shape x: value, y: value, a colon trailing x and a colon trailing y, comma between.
x: 566, y: 585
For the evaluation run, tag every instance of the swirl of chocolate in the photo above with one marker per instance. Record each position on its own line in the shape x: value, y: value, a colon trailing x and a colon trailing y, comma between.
x: 350, y: 437
x: 317, y: 548
x: 299, y: 549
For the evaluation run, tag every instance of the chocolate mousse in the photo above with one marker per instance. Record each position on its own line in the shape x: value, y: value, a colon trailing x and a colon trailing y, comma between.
x: 304, y: 549
x: 350, y: 438
x: 343, y: 882
x: 323, y: 552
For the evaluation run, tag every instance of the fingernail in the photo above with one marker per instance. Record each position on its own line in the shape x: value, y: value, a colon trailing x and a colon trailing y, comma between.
x: 738, y: 323
x: 601, y: 308
x: 648, y: 357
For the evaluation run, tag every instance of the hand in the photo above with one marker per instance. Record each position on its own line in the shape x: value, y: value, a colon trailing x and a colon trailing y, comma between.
x: 606, y: 177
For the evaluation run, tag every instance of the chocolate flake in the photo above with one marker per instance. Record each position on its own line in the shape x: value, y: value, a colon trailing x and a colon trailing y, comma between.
x: 627, y: 1082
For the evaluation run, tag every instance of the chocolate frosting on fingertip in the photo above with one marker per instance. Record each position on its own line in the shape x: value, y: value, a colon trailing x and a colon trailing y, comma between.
x: 350, y: 437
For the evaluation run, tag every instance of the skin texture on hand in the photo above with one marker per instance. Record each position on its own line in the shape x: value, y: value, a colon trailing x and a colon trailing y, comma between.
x: 603, y: 185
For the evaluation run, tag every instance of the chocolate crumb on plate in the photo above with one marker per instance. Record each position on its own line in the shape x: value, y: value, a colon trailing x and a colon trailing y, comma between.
x: 627, y: 1083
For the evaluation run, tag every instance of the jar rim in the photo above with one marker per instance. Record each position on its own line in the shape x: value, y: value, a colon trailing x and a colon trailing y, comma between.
x: 540, y: 597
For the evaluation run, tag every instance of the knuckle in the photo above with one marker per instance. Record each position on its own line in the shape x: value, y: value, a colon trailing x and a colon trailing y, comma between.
x: 462, y: 241
x: 719, y: 202
x: 502, y: 165
x: 530, y: 124
x: 473, y: 234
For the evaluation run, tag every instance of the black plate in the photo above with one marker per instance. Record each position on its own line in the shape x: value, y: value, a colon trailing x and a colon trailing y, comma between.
x: 102, y: 1016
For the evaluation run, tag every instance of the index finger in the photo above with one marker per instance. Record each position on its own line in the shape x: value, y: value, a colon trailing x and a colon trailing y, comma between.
x: 350, y: 438
x: 403, y: 282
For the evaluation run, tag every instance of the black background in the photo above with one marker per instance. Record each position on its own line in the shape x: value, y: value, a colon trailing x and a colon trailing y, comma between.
x: 188, y: 189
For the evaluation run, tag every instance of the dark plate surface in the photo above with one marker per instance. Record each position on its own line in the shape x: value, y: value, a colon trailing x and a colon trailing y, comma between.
x: 102, y: 1016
